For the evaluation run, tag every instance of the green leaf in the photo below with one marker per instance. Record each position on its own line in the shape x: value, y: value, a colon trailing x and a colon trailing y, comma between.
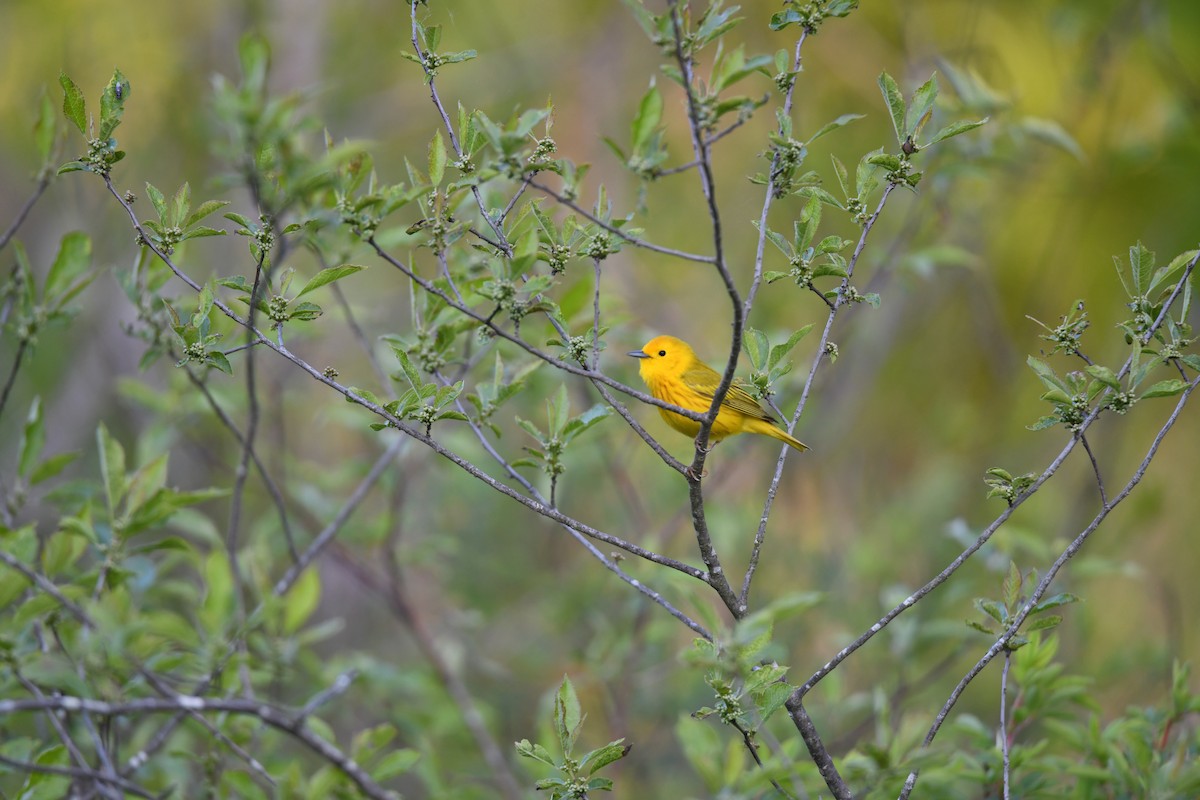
x: 840, y: 122
x: 528, y: 749
x: 397, y: 762
x: 1060, y: 599
x: 586, y: 420
x: 73, y: 259
x: 979, y: 626
x: 410, y: 371
x: 62, y: 550
x: 1043, y: 423
x: 955, y: 128
x: 112, y: 467
x: 782, y: 19
x: 1166, y: 388
x: 301, y: 600
x: 895, y: 103
x: 1057, y: 396
x: 1141, y: 266
x: 215, y: 358
x: 181, y: 204
x: 1043, y: 623
x: 203, y: 305
x: 1011, y: 587
x: 329, y: 275
x: 568, y: 716
x: 146, y: 483
x: 757, y: 347
x: 112, y: 104
x: 1104, y: 375
x: 236, y: 282
x: 50, y: 467
x: 558, y: 409
x: 218, y: 596
x: 305, y: 312
x: 779, y: 351
x: 603, y: 756
x: 437, y: 159
x: 196, y: 233
x: 74, y: 106
x: 648, y: 118
x: 206, y: 208
x: 1164, y: 273
x: 158, y: 201
x: 459, y: 56
x: 843, y: 176
x: 1047, y: 376
x: 771, y: 699
x: 525, y: 255
x: 922, y: 107
x: 886, y: 160
x: 235, y: 217
x: 992, y: 609
x: 33, y: 439
x: 1050, y: 132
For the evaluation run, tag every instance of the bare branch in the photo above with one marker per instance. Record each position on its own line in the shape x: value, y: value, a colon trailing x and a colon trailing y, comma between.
x: 1001, y: 643
x: 38, y: 190
x: 268, y: 714
x: 89, y: 775
x: 331, y: 530
x: 822, y: 351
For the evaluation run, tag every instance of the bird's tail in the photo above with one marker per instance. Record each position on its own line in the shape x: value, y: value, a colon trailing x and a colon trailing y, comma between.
x: 784, y: 436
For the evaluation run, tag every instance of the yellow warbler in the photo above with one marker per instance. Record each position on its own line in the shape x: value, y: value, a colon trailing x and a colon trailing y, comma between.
x: 675, y: 375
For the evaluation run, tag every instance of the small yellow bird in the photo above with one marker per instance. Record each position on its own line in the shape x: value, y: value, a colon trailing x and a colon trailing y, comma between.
x: 675, y: 375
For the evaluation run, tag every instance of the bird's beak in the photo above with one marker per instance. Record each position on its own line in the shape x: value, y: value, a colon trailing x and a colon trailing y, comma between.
x: 637, y: 354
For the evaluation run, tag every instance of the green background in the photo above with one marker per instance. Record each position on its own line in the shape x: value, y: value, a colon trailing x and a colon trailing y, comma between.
x: 929, y: 391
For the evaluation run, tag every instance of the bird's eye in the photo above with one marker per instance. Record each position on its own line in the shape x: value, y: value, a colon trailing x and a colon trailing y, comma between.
x: 662, y: 352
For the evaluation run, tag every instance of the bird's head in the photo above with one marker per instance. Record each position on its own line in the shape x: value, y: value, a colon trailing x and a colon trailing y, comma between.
x: 664, y: 355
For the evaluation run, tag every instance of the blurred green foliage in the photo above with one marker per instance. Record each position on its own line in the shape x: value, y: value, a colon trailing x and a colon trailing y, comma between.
x: 1090, y: 147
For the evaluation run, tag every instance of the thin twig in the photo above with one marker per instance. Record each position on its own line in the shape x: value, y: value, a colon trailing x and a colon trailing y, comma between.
x: 335, y: 689
x: 711, y: 140
x: 237, y: 495
x: 268, y: 714
x: 501, y: 240
x: 95, y: 776
x: 449, y: 678
x: 38, y: 191
x: 716, y: 573
x: 44, y: 583
x: 1095, y: 468
x: 318, y: 545
x: 769, y: 198
x: 608, y: 563
x: 562, y: 199
x: 1004, y: 745
x: 269, y: 482
x: 748, y: 742
x: 1002, y: 641
x: 12, y: 375
x: 821, y: 353
x: 557, y: 363
x: 1003, y: 517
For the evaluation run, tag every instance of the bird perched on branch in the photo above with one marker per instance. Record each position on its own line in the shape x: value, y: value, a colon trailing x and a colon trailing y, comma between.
x: 675, y: 375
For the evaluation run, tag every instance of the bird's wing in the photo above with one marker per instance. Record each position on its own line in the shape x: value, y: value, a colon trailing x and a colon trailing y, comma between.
x: 739, y: 399
x: 704, y: 380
